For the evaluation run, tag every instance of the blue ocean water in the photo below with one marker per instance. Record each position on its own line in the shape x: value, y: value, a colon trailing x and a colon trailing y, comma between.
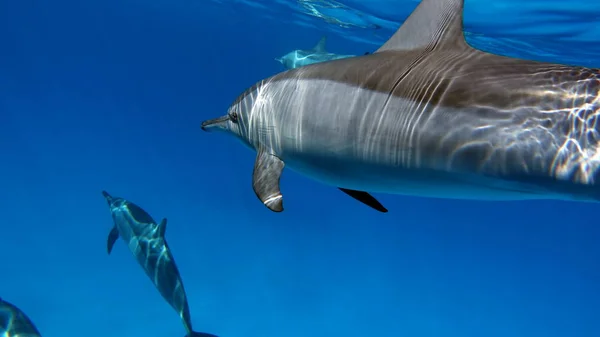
x: 109, y: 95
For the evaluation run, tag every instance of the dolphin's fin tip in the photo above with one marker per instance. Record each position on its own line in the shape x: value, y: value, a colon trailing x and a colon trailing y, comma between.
x: 320, y: 46
x: 200, y: 334
x: 365, y: 198
x: 112, y: 238
x: 265, y: 180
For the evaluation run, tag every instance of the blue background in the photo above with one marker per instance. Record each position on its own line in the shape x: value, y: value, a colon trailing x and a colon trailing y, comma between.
x: 110, y: 95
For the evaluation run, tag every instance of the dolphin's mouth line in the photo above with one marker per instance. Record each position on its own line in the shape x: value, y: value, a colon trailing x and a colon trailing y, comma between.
x: 206, y: 125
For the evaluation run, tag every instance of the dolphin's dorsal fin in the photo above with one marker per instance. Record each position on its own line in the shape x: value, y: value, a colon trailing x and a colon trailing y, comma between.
x: 320, y: 46
x: 433, y: 24
x: 162, y: 227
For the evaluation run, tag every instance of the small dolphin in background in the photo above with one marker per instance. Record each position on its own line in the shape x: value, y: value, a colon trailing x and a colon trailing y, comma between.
x: 303, y: 57
x: 146, y: 240
x: 14, y: 322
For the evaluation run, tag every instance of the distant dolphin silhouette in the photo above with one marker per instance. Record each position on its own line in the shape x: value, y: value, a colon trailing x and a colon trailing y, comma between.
x: 303, y: 57
x: 426, y: 115
x: 146, y: 240
x: 14, y: 322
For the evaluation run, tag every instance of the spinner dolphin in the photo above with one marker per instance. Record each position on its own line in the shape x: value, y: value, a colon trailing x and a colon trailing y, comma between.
x: 146, y: 240
x: 426, y: 115
x: 302, y: 57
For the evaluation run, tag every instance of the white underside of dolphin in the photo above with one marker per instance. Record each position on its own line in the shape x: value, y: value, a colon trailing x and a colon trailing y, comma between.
x: 426, y: 115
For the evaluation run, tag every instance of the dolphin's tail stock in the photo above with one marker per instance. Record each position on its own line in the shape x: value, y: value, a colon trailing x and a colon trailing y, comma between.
x: 200, y: 334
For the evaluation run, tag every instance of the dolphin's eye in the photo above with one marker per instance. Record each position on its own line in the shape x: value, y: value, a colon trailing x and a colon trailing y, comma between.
x: 233, y: 116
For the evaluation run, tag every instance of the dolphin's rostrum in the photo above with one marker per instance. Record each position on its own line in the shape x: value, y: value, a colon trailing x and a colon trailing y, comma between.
x: 146, y: 240
x: 426, y: 115
x: 14, y: 322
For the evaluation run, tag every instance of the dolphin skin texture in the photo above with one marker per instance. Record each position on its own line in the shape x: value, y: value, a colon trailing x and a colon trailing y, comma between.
x: 425, y: 115
x: 14, y: 322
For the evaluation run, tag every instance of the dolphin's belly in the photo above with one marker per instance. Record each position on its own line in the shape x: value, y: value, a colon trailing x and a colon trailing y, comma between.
x: 431, y: 183
x: 378, y: 142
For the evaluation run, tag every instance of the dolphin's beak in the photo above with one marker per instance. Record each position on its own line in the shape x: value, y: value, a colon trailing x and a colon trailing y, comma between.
x: 278, y: 59
x: 108, y: 197
x: 217, y: 123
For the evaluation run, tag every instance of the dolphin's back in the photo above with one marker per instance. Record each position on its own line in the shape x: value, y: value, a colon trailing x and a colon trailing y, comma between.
x: 134, y: 223
x: 169, y: 283
x: 14, y: 322
x: 161, y: 267
x: 139, y: 215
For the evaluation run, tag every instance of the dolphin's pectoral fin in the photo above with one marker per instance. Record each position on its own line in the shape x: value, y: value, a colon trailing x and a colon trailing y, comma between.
x: 365, y: 198
x: 265, y: 180
x: 112, y: 238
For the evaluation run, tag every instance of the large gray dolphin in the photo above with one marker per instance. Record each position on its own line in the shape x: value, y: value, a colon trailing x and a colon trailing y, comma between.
x: 426, y: 115
x: 14, y: 322
x: 146, y: 240
x: 303, y: 57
